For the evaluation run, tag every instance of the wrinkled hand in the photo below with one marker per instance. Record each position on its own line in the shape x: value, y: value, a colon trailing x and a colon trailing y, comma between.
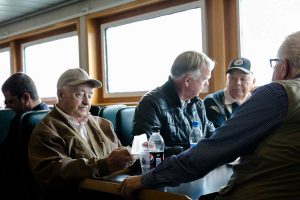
x: 129, y: 186
x: 119, y: 159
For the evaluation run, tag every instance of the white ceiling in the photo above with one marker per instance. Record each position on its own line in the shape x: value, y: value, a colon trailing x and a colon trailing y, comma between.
x: 15, y: 10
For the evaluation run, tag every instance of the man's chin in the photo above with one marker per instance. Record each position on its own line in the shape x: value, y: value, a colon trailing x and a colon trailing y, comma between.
x: 82, y: 112
x: 84, y: 109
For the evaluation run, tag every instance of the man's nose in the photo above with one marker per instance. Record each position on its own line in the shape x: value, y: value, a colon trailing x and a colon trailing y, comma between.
x: 85, y: 99
x: 238, y: 81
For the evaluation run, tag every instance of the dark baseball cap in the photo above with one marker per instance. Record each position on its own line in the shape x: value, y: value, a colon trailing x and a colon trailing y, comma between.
x: 240, y: 63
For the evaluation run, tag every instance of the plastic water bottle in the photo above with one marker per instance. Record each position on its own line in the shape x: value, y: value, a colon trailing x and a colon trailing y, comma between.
x: 196, y: 133
x: 156, y: 146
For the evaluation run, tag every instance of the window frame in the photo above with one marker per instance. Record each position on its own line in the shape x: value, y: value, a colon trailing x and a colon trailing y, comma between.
x: 135, y: 17
x: 6, y: 49
x: 3, y: 49
x: 45, y: 40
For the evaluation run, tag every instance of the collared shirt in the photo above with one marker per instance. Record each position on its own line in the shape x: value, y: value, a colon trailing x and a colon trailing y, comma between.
x: 255, y: 119
x: 228, y: 100
x: 184, y: 103
x: 79, y: 127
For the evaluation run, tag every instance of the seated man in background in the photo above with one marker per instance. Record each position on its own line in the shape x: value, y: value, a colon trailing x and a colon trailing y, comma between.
x: 173, y: 106
x: 264, y: 131
x: 21, y: 96
x: 69, y: 144
x: 239, y: 85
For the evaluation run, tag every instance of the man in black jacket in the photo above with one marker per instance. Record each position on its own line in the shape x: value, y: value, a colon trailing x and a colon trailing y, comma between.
x: 173, y: 106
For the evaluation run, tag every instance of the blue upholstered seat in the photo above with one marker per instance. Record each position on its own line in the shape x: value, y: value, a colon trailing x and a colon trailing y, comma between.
x: 110, y: 112
x: 124, y: 124
x: 6, y: 115
x: 27, y: 123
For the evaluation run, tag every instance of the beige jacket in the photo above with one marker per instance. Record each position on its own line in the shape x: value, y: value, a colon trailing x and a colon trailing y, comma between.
x: 59, y: 157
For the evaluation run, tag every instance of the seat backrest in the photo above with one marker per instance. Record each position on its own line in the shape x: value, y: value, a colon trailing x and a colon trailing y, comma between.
x: 95, y: 110
x: 27, y: 123
x: 124, y: 124
x: 110, y: 112
x: 6, y: 115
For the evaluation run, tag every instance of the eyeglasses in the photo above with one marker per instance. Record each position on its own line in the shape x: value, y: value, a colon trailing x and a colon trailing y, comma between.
x: 273, y: 62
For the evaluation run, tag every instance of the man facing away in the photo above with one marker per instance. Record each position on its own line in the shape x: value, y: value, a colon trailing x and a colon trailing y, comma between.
x: 21, y: 95
x: 69, y: 144
x: 173, y: 106
x: 264, y: 132
x: 239, y: 85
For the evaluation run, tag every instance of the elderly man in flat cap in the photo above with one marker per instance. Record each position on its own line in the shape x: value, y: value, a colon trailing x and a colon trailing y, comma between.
x: 69, y: 144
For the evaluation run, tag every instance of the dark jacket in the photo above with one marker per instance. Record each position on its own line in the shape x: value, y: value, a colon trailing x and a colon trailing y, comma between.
x: 162, y: 107
x: 216, y: 109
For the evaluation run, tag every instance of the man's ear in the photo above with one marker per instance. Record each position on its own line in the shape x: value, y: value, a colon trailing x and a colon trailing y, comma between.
x: 26, y: 97
x: 254, y: 80
x: 285, y: 69
x: 59, y: 93
x: 187, y: 79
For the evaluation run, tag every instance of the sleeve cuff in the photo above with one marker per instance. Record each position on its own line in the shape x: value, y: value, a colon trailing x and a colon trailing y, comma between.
x: 103, y: 167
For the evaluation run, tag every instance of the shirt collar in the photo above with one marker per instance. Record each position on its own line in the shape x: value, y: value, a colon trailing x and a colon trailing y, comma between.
x: 70, y: 119
x: 228, y: 99
x: 184, y: 103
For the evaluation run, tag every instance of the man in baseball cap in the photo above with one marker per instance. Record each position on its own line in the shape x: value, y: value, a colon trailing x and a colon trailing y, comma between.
x: 69, y: 144
x: 223, y: 103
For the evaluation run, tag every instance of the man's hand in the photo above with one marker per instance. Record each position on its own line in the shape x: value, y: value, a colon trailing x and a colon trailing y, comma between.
x: 119, y: 159
x: 129, y: 186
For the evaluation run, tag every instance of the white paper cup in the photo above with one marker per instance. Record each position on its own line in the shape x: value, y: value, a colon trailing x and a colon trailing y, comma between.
x: 137, y: 144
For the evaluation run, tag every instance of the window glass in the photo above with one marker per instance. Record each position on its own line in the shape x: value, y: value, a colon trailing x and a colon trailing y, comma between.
x: 4, y: 69
x: 45, y: 60
x: 140, y: 51
x: 263, y: 27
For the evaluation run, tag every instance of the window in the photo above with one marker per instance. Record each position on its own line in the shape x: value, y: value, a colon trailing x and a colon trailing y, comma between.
x: 139, y: 51
x: 5, y: 70
x: 46, y: 59
x: 263, y: 27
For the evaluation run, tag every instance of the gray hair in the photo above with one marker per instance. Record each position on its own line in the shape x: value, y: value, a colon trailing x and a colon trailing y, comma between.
x: 188, y: 62
x: 290, y: 50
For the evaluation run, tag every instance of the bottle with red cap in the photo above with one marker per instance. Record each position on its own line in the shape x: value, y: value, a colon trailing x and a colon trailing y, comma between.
x: 156, y: 146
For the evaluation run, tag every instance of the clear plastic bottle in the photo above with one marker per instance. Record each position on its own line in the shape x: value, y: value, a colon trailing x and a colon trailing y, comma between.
x: 196, y: 133
x: 156, y: 147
